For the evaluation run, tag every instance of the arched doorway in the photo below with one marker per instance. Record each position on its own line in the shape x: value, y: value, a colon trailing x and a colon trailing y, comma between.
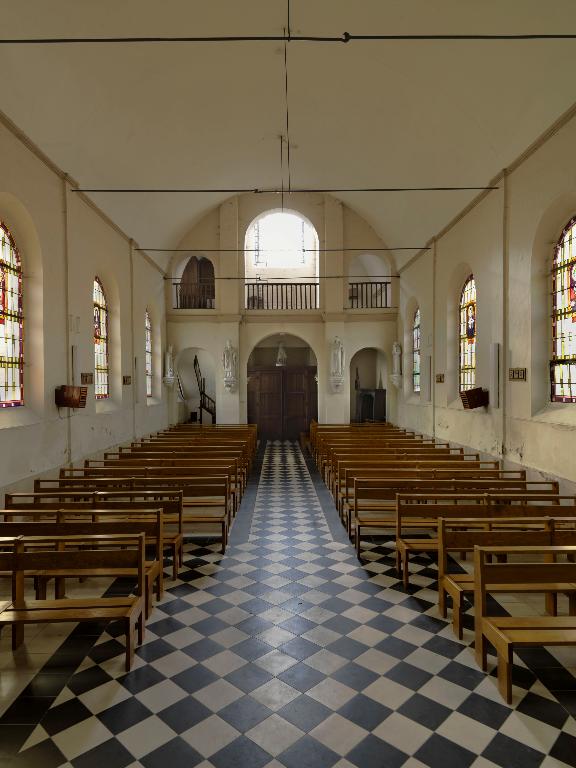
x: 282, y: 387
x: 197, y: 289
x: 368, y: 371
x: 197, y: 379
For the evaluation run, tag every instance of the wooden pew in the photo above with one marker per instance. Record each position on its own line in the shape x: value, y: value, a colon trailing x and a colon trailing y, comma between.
x: 378, y: 470
x: 425, y: 511
x: 170, y: 502
x: 375, y: 500
x: 128, y: 610
x: 542, y: 569
x: 206, y: 501
x: 463, y: 534
x: 36, y: 525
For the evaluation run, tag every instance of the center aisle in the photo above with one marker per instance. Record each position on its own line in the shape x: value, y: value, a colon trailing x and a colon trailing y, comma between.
x: 286, y: 652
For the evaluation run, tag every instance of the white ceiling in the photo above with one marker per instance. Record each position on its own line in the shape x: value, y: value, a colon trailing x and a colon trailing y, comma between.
x: 361, y: 114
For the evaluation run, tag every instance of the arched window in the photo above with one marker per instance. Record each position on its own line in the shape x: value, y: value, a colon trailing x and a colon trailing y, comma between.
x: 468, y: 335
x: 101, y: 388
x: 416, y: 352
x: 563, y: 363
x: 281, y: 262
x: 148, y: 325
x: 11, y: 323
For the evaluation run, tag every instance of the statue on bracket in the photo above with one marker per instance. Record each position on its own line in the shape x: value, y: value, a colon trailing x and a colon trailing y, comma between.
x: 282, y: 358
x: 169, y: 367
x: 337, y: 362
x: 396, y: 365
x: 230, y: 365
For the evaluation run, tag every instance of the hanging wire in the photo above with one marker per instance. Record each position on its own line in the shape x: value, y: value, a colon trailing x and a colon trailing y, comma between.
x: 272, y: 191
x: 282, y: 250
x: 345, y: 37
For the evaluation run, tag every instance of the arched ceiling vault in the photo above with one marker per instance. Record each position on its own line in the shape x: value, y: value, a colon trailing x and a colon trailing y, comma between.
x: 400, y: 113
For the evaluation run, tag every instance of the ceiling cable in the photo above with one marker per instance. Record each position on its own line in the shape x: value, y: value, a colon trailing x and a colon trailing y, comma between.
x: 345, y: 37
x: 269, y: 191
x: 281, y: 250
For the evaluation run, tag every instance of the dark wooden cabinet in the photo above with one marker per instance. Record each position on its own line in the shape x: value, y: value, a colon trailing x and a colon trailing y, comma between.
x: 282, y: 401
x: 370, y: 405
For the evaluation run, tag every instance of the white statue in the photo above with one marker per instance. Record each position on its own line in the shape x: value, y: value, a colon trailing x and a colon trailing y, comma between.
x: 337, y: 359
x: 337, y: 362
x: 282, y: 357
x: 396, y: 365
x: 169, y: 367
x: 396, y: 358
x: 230, y: 365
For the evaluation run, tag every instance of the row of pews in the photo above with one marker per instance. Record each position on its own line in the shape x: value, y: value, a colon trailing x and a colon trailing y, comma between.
x: 125, y: 515
x: 432, y: 498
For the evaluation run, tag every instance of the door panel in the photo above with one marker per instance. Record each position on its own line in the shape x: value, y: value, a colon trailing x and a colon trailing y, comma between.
x: 282, y: 401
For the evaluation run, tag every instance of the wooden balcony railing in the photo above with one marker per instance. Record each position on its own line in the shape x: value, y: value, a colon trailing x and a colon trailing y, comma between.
x: 194, y: 295
x: 260, y: 295
x: 369, y: 295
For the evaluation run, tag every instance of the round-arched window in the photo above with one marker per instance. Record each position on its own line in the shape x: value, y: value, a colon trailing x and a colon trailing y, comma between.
x: 563, y: 363
x: 467, y: 365
x: 11, y: 322
x: 281, y: 262
x: 101, y: 369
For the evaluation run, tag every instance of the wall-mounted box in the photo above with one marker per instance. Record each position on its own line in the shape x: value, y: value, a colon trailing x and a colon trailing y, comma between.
x: 86, y: 378
x: 70, y: 397
x: 474, y: 398
x: 126, y: 380
x: 439, y: 378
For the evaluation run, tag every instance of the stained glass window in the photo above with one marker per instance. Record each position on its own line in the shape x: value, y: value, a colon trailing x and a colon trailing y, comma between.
x: 563, y: 363
x: 468, y: 335
x: 11, y: 323
x: 148, y: 355
x: 101, y: 375
x: 416, y: 352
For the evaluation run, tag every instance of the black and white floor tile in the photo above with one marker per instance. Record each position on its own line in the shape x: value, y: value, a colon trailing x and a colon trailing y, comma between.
x: 289, y: 652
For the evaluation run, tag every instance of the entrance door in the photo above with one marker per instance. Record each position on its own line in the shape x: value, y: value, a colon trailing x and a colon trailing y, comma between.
x: 282, y: 401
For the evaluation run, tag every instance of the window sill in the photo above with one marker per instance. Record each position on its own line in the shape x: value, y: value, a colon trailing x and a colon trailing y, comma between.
x: 106, y: 406
x: 562, y: 414
x: 18, y: 416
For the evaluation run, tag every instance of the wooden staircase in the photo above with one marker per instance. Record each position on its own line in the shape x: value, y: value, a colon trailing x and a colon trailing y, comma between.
x: 207, y: 403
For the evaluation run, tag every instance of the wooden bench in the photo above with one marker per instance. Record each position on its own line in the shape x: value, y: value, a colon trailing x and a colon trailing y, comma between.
x: 127, y: 610
x: 424, y: 511
x: 206, y: 501
x: 541, y: 568
x: 463, y: 534
x: 37, y: 525
x: 375, y: 499
x: 374, y: 471
x: 377, y: 511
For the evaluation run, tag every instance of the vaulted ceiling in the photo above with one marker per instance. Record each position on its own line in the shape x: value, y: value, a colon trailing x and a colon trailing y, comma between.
x: 364, y: 114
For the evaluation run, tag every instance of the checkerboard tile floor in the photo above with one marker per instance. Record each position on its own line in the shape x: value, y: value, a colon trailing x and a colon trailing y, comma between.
x: 287, y: 652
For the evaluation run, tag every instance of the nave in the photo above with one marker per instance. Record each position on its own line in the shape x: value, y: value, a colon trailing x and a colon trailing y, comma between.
x: 285, y: 652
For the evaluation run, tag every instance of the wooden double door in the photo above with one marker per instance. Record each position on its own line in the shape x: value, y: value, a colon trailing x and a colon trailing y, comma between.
x: 282, y: 401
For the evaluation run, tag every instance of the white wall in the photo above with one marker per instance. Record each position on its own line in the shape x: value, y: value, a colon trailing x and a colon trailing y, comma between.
x: 520, y: 223
x: 64, y: 242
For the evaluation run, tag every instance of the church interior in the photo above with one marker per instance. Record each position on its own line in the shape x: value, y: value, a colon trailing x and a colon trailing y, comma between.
x: 288, y: 384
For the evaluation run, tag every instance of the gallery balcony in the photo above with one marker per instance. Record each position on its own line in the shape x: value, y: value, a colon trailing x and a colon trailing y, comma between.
x: 281, y: 295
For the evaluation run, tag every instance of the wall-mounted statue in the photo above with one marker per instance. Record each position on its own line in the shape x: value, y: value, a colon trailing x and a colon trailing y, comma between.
x: 282, y: 358
x: 396, y: 365
x: 169, y: 367
x: 337, y: 364
x: 230, y: 365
